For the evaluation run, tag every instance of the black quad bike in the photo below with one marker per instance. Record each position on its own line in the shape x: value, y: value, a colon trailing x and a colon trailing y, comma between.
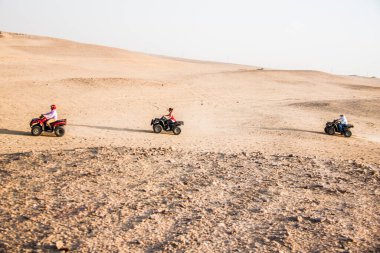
x: 332, y: 127
x: 38, y: 125
x: 162, y: 123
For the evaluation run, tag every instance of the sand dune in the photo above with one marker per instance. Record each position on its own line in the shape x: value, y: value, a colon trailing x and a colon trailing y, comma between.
x: 109, y: 96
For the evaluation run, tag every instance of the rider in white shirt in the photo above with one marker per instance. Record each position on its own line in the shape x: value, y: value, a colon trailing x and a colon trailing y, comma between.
x: 51, y: 116
x: 343, y: 122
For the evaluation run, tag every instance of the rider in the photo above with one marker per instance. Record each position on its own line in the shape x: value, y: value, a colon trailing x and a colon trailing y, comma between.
x: 51, y: 116
x: 342, y: 122
x: 170, y: 118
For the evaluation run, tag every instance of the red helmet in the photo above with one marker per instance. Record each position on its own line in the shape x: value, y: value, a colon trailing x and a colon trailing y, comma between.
x: 53, y: 107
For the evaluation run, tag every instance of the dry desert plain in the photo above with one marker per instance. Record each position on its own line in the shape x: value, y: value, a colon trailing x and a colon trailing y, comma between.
x: 252, y: 170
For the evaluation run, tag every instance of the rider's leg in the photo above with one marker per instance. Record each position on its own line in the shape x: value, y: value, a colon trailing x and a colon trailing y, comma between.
x: 171, y: 123
x: 49, y: 122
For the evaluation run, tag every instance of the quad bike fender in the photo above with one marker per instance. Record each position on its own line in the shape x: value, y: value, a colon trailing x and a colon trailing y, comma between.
x: 34, y: 123
x: 155, y: 121
x: 61, y: 122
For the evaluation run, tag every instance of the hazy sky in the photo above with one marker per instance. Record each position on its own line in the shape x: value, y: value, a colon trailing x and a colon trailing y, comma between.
x: 339, y: 36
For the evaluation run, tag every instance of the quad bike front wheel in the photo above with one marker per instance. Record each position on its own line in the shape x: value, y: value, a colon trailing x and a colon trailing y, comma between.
x: 36, y: 130
x: 177, y: 130
x: 157, y: 128
x: 59, y: 131
x: 330, y: 131
x: 347, y: 133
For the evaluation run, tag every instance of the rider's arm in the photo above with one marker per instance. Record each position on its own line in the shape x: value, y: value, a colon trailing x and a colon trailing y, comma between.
x: 49, y: 114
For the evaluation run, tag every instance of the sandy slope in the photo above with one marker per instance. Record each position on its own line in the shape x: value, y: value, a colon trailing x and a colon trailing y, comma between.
x: 110, y: 95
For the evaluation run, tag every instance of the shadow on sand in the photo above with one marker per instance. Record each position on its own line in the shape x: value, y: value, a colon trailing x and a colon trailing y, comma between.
x: 116, y: 129
x: 13, y: 132
x: 293, y: 130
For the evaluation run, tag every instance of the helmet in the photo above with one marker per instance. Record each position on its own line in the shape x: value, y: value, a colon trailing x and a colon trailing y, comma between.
x: 53, y: 107
x: 342, y: 115
x: 170, y: 109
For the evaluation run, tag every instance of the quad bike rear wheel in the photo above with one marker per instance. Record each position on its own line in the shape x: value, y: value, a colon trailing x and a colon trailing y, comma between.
x: 157, y: 128
x: 347, y: 133
x: 59, y: 131
x: 330, y: 131
x: 176, y: 130
x: 36, y: 130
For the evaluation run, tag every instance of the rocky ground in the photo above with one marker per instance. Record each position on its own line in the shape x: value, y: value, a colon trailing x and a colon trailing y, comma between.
x: 146, y: 200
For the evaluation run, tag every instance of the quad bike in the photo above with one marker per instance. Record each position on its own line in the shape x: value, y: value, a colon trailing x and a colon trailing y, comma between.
x: 38, y: 125
x: 162, y: 123
x: 332, y: 127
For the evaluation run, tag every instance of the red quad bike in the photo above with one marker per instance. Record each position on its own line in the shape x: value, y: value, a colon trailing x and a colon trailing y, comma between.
x: 39, y: 124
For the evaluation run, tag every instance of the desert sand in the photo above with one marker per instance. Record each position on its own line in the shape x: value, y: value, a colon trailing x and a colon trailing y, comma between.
x: 252, y: 170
